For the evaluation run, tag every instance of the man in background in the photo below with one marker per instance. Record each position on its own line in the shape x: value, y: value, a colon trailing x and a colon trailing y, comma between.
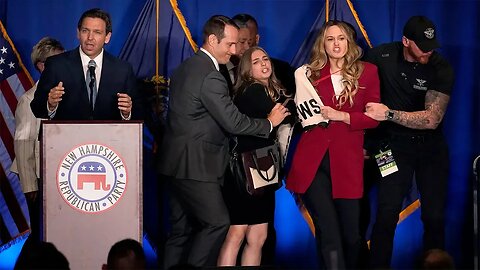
x: 229, y: 70
x: 283, y: 70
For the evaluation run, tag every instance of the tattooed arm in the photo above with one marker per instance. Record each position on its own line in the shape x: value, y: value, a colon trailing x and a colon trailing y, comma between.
x: 435, y: 107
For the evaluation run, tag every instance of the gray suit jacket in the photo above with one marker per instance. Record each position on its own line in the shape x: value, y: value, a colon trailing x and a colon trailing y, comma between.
x: 200, y: 115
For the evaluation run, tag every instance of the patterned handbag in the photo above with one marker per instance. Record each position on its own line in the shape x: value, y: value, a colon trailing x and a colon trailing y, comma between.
x: 256, y: 170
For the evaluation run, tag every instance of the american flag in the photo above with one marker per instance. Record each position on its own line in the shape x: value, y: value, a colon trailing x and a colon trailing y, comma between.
x: 14, y: 81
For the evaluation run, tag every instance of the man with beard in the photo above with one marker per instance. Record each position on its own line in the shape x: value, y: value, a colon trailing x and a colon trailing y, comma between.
x: 416, y: 84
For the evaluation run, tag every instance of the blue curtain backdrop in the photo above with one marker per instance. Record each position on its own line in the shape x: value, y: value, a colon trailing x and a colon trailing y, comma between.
x: 284, y: 24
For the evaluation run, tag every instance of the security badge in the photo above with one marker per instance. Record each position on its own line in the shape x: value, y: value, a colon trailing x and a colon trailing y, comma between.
x: 386, y: 163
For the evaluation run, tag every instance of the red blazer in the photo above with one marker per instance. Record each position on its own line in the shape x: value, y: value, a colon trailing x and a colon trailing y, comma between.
x: 344, y: 142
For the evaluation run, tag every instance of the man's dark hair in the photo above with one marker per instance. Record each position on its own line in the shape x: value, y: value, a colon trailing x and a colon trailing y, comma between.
x: 245, y: 18
x: 216, y: 25
x: 126, y: 253
x: 240, y: 23
x: 96, y: 13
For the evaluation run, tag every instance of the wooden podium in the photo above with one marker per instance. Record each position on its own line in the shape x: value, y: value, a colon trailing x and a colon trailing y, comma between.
x: 92, y: 188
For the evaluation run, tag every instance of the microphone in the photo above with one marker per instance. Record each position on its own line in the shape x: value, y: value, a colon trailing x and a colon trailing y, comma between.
x: 91, y: 84
x: 91, y: 69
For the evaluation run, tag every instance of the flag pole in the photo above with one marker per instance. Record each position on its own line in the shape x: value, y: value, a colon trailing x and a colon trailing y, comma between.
x: 183, y: 23
x: 156, y: 36
x: 327, y: 10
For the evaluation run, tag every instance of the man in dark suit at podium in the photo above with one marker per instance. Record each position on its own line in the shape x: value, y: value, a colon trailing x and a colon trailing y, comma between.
x: 86, y: 83
x: 195, y: 152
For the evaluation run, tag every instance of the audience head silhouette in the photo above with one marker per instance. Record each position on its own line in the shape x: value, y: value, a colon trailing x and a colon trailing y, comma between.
x: 125, y: 254
x: 437, y: 259
x: 42, y: 255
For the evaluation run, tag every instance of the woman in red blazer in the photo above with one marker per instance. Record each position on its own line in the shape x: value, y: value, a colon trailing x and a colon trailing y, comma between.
x: 327, y: 167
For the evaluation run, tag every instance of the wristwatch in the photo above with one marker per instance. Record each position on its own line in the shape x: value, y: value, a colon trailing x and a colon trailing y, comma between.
x: 389, y: 115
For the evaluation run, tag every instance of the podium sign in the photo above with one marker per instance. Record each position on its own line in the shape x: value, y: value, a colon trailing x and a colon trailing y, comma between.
x: 92, y: 188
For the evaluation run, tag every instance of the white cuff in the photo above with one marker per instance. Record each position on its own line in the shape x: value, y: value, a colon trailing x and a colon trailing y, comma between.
x: 271, y: 125
x: 126, y: 118
x: 52, y: 113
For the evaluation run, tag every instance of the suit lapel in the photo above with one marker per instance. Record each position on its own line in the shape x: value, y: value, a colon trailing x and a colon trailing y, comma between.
x: 203, y: 55
x: 78, y: 74
x: 106, y: 73
x: 105, y: 89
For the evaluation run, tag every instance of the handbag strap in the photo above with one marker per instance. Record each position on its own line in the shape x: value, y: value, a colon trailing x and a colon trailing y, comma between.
x: 235, y: 140
x: 317, y: 82
x: 266, y: 178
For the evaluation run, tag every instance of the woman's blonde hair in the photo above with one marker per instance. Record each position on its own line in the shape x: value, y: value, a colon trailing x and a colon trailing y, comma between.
x: 244, y: 76
x: 352, y: 67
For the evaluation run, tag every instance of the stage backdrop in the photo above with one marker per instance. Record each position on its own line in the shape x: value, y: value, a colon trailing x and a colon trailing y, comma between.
x: 284, y: 24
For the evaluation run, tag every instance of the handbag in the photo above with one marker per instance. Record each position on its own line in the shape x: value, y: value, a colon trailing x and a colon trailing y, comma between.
x: 256, y: 170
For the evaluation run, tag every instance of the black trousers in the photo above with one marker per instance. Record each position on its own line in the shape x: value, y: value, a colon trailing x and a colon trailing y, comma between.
x: 337, y: 228
x: 35, y: 210
x: 426, y: 158
x: 199, y: 223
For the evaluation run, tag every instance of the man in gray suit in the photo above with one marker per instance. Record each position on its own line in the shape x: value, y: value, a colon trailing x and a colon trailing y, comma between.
x: 194, y: 152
